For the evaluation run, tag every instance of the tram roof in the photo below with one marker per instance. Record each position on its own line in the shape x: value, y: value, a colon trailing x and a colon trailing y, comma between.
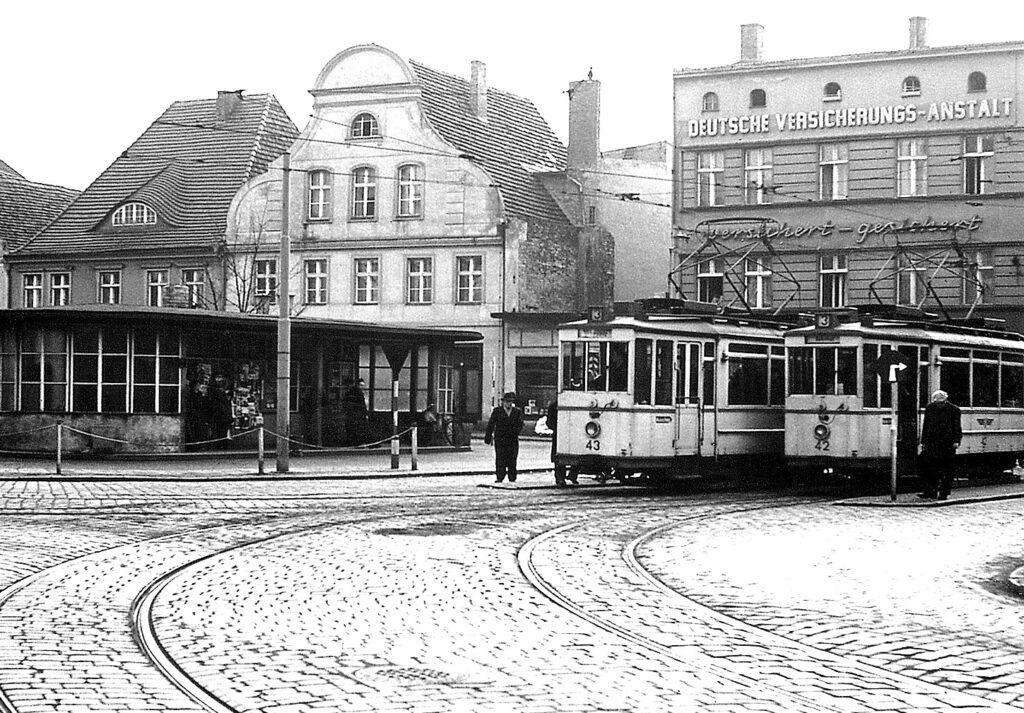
x: 71, y: 315
x: 696, y: 324
x: 946, y: 333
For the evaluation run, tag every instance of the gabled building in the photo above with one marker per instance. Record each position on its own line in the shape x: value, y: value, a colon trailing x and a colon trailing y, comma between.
x: 150, y: 229
x: 415, y: 197
x: 26, y: 207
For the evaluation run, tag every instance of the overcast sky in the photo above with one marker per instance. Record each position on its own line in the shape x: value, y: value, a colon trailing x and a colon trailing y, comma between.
x: 81, y: 80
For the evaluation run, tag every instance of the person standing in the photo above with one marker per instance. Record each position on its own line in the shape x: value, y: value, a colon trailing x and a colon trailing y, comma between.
x: 561, y: 472
x: 356, y: 416
x: 941, y: 434
x: 503, y: 429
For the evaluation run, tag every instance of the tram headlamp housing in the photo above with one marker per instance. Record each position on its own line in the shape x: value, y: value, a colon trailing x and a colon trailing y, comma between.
x: 822, y: 432
x: 592, y: 429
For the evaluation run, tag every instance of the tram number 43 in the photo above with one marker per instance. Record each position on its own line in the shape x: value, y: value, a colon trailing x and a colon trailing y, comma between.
x: 593, y: 444
x: 821, y: 445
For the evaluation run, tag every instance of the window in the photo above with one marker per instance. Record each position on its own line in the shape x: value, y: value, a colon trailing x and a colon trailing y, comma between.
x: 911, y: 168
x: 834, y: 161
x: 823, y: 371
x: 688, y: 366
x: 8, y: 370
x: 710, y: 280
x: 756, y: 374
x: 44, y: 364
x: 194, y: 280
x: 911, y: 285
x: 320, y: 195
x: 99, y: 370
x: 710, y: 165
x: 365, y: 126
x: 109, y: 287
x: 155, y: 372
x: 977, y: 278
x: 832, y: 281
x: 757, y: 176
x: 420, y: 280
x: 60, y: 288
x: 469, y: 279
x: 316, y: 281
x: 592, y: 215
x: 758, y: 98
x: 833, y: 92
x: 978, y: 158
x: 911, y: 87
x: 595, y: 366
x: 1011, y: 381
x: 156, y: 287
x: 367, y: 282
x: 364, y: 193
x: 32, y: 289
x: 265, y: 284
x: 642, y: 371
x: 410, y: 191
x: 976, y: 82
x: 757, y: 274
x: 710, y: 102
x: 133, y: 214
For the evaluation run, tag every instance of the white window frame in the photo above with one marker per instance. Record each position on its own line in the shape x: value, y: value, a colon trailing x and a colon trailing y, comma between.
x: 367, y: 280
x: 911, y: 167
x: 911, y: 86
x: 108, y: 284
x: 315, y: 281
x: 264, y: 283
x: 757, y: 175
x: 410, y: 190
x: 32, y: 290
x: 133, y: 214
x: 194, y: 278
x: 910, y: 282
x: 710, y: 272
x: 833, y: 273
x: 978, y: 270
x: 364, y: 193
x: 419, y: 280
x: 157, y: 282
x: 60, y: 288
x: 319, y: 203
x: 834, y: 171
x: 469, y: 279
x: 978, y: 159
x: 757, y: 281
x: 709, y: 102
x: 710, y: 168
x: 364, y: 126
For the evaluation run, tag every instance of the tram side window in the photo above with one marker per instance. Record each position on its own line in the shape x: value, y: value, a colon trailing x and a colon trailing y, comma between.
x: 642, y: 371
x: 709, y: 372
x: 688, y: 365
x: 663, y: 373
x: 748, y: 375
x: 801, y: 370
x: 1012, y: 381
x: 955, y: 375
x: 777, y: 377
x: 985, y: 379
x: 870, y: 377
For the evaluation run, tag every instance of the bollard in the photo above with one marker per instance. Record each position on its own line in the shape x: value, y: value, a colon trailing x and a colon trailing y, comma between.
x: 394, y: 452
x: 259, y: 448
x: 60, y: 443
x: 415, y: 430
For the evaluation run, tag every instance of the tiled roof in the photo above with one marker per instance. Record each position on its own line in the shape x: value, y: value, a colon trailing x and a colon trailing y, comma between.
x: 5, y: 169
x: 27, y: 207
x: 514, y: 138
x: 187, y: 166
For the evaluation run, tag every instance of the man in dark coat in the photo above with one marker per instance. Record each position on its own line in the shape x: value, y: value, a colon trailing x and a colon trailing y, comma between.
x: 940, y: 437
x: 503, y: 428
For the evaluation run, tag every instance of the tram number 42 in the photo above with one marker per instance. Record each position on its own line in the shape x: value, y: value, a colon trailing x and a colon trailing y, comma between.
x: 593, y: 444
x: 821, y: 446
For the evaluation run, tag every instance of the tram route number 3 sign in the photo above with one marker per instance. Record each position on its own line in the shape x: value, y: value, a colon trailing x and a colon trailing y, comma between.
x: 893, y: 366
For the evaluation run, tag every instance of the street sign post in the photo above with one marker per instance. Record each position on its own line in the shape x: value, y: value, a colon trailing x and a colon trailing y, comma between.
x: 892, y: 366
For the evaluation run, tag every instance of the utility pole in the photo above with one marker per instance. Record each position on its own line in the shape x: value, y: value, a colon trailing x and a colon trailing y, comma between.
x: 284, y: 329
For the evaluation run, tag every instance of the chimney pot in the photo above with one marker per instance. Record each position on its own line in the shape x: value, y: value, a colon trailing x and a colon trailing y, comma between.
x: 584, y: 123
x: 478, y: 99
x: 227, y: 103
x: 918, y: 33
x: 751, y: 40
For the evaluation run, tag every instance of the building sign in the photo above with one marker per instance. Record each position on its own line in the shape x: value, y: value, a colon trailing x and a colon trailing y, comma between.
x: 851, y: 117
x: 863, y: 231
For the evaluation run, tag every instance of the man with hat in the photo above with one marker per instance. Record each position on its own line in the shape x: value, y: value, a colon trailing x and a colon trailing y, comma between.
x: 503, y: 429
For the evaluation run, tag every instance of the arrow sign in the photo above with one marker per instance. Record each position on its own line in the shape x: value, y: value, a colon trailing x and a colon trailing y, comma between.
x: 894, y: 369
x: 892, y: 365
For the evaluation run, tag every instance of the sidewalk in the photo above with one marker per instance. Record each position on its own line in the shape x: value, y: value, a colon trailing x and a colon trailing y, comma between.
x: 959, y: 496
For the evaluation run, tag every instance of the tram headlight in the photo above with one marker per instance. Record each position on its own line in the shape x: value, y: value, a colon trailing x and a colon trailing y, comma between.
x: 592, y: 429
x: 822, y: 432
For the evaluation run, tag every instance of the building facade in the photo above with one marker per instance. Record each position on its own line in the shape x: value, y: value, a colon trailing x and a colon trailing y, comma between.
x: 885, y: 177
x: 414, y: 198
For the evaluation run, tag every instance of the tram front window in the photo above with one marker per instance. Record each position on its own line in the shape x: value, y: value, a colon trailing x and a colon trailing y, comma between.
x: 823, y: 371
x: 595, y: 366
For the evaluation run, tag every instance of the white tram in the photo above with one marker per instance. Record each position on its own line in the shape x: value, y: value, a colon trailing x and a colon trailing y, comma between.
x: 838, y: 403
x: 668, y: 388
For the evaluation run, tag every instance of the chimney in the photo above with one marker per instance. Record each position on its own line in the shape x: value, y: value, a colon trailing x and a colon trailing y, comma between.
x: 918, y: 33
x: 478, y: 99
x: 227, y: 103
x: 584, y: 122
x: 751, y: 41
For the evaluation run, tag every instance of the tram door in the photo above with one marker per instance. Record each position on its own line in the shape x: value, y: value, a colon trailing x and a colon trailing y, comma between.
x: 689, y: 414
x: 907, y: 400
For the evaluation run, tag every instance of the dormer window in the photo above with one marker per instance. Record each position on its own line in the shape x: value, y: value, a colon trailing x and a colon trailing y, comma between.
x: 976, y: 82
x: 710, y: 102
x: 758, y: 98
x: 911, y: 87
x: 365, y: 126
x: 133, y: 214
x: 833, y: 92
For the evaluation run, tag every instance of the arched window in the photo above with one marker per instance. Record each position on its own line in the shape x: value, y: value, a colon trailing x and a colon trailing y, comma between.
x: 364, y: 193
x: 410, y: 191
x: 710, y: 102
x: 833, y: 92
x: 976, y: 82
x: 758, y: 98
x: 319, y: 195
x: 911, y: 86
x: 365, y: 126
x: 133, y: 214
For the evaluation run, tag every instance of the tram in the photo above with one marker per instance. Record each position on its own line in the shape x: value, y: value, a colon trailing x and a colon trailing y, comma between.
x: 670, y: 389
x: 841, y: 371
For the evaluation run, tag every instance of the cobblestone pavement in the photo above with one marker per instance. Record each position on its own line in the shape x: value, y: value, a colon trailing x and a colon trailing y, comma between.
x: 433, y: 594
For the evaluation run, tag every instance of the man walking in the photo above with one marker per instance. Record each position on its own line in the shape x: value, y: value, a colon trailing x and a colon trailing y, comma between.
x: 940, y: 437
x: 503, y: 429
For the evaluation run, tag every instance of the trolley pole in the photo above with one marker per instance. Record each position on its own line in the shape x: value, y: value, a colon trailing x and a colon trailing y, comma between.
x: 284, y: 328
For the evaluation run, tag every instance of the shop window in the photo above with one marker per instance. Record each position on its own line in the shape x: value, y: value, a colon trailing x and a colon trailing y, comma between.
x: 44, y: 366
x: 8, y: 370
x: 156, y: 371
x: 99, y: 369
x: 536, y: 383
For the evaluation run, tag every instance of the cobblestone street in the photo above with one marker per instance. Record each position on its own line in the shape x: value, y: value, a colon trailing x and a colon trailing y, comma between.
x: 436, y: 594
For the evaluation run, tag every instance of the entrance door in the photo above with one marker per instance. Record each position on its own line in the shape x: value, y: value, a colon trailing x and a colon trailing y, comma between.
x: 689, y: 414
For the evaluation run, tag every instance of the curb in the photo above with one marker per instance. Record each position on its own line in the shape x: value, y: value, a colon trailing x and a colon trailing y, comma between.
x: 968, y: 500
x: 252, y: 477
